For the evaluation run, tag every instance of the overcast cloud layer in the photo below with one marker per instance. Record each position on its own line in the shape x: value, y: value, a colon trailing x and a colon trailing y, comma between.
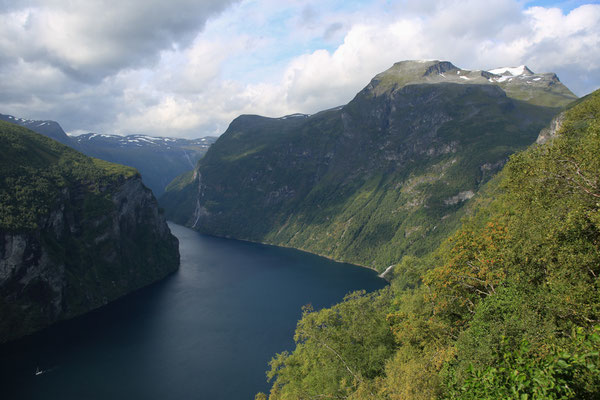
x: 188, y: 67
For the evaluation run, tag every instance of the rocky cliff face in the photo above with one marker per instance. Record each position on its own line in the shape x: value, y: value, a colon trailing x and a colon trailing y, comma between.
x: 92, y: 240
x: 552, y: 130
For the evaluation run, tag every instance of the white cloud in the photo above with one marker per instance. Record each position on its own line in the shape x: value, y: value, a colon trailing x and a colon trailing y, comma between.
x: 559, y: 40
x: 164, y: 72
x: 92, y: 39
x: 323, y: 79
x: 545, y: 39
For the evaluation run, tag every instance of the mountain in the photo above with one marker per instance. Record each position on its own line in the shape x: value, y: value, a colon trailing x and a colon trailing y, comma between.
x: 159, y: 159
x: 506, y: 308
x: 75, y: 232
x: 518, y: 82
x: 388, y: 174
x: 50, y: 129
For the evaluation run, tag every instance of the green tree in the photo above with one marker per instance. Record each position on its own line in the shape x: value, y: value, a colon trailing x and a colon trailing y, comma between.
x: 338, y: 349
x: 521, y: 374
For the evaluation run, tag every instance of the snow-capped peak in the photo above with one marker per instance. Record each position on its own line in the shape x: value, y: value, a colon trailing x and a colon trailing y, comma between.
x: 512, y: 71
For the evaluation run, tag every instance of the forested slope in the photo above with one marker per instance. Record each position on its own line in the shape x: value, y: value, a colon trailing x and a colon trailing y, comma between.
x: 508, y: 307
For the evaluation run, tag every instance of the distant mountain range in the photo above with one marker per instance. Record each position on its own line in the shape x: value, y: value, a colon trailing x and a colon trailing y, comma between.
x: 389, y: 174
x: 158, y: 159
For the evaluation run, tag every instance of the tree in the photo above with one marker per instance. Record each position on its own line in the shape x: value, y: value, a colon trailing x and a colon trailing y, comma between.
x: 338, y: 349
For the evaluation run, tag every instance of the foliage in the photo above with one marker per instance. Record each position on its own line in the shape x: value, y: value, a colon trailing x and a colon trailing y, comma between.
x: 522, y: 374
x: 540, y: 268
x: 33, y: 171
x: 337, y: 349
x: 473, y: 270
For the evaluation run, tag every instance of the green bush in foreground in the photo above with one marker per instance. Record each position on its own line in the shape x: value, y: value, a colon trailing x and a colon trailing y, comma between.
x: 520, y: 375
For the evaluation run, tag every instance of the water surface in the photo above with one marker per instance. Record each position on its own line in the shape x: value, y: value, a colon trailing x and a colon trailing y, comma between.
x: 206, y: 332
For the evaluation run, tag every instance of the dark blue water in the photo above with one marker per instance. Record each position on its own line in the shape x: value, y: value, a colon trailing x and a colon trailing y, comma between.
x: 206, y: 332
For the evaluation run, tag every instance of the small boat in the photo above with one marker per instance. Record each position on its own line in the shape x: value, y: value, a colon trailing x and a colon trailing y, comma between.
x: 39, y: 371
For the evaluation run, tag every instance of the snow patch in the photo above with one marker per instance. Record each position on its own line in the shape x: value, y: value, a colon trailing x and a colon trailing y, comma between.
x: 150, y: 138
x: 512, y: 71
x: 297, y: 115
x: 464, y: 77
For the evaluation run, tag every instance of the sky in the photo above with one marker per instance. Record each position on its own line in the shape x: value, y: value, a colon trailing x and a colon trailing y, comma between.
x: 187, y: 68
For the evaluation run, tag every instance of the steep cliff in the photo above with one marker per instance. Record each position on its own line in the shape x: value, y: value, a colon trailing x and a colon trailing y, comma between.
x: 386, y: 175
x: 75, y: 233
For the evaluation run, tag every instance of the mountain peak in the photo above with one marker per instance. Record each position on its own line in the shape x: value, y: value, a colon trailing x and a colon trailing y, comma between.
x: 421, y: 68
x: 520, y: 82
x: 411, y: 71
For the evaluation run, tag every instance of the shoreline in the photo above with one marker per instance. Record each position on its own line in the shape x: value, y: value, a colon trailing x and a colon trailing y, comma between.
x: 379, y: 274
